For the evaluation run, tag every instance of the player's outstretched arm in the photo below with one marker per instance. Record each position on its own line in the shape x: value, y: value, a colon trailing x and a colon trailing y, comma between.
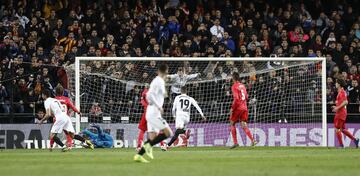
x: 194, y: 102
x: 171, y: 77
x: 72, y: 106
x: 192, y: 76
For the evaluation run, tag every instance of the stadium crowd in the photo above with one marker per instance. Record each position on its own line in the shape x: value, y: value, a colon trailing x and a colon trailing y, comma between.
x: 39, y: 38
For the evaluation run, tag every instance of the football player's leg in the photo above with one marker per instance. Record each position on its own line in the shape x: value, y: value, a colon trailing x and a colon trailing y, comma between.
x: 179, y: 125
x: 338, y: 131
x: 140, y: 138
x: 69, y: 138
x: 166, y: 132
x: 142, y: 129
x: 51, y: 142
x: 244, y: 118
x: 82, y: 139
x: 152, y: 131
x: 233, y: 119
x: 158, y: 123
x: 346, y: 132
x: 56, y: 139
x: 69, y: 127
x: 339, y: 136
x: 177, y: 133
x: 248, y: 132
x: 56, y: 129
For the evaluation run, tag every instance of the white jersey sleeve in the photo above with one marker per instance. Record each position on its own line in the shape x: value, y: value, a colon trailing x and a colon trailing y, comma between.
x: 173, y: 76
x: 175, y: 105
x: 194, y: 102
x: 191, y: 76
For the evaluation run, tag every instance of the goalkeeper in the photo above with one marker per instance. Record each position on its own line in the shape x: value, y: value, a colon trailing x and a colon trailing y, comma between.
x: 99, y: 139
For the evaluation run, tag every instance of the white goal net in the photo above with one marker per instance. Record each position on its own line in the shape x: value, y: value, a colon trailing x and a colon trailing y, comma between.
x: 286, y: 97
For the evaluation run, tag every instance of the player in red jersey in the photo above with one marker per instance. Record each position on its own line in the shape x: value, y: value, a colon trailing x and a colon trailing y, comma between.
x: 143, y: 123
x: 239, y: 110
x: 341, y: 113
x: 66, y: 103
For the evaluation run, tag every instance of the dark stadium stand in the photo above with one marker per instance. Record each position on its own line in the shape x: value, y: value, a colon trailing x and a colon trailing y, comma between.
x: 39, y: 38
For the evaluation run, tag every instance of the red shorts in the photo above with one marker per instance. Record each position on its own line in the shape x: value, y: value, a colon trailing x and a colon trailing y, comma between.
x: 338, y: 122
x: 143, y: 124
x: 239, y: 115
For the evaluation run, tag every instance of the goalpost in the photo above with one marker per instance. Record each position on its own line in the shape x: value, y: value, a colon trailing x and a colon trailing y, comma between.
x: 287, y: 96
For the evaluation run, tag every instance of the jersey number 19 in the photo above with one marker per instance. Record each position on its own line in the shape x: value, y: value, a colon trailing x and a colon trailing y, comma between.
x: 185, y: 104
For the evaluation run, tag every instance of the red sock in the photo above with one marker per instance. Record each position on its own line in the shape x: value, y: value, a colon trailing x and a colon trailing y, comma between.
x: 233, y: 134
x: 51, y: 142
x: 339, y: 136
x: 140, y: 138
x: 248, y: 133
x: 348, y: 134
x: 69, y: 140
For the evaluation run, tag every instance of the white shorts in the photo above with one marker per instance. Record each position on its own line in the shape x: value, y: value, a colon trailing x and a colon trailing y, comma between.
x: 63, y: 122
x: 155, y: 122
x: 181, y: 122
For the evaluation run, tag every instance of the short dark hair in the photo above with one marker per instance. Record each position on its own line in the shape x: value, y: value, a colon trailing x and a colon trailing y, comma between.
x: 342, y: 82
x: 183, y: 89
x: 46, y: 92
x: 163, y: 68
x: 236, y: 76
x: 59, y: 90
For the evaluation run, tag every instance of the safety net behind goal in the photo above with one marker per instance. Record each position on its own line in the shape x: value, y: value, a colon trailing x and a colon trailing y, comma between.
x: 284, y: 97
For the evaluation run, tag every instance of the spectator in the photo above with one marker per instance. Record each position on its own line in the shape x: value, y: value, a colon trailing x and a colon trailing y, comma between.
x: 68, y: 42
x: 39, y: 115
x: 5, y: 107
x: 230, y: 44
x: 217, y: 30
x: 354, y: 96
x: 95, y: 114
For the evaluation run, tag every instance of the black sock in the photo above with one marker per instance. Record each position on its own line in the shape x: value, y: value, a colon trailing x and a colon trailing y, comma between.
x: 58, y: 141
x: 79, y: 138
x: 142, y: 150
x: 177, y: 133
x: 158, y: 139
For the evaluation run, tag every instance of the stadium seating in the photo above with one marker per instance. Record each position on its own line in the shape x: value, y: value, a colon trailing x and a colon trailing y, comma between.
x: 38, y: 41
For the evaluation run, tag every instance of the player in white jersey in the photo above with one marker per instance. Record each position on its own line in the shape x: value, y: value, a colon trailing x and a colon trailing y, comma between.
x: 181, y: 112
x: 179, y: 80
x: 54, y: 108
x: 155, y: 122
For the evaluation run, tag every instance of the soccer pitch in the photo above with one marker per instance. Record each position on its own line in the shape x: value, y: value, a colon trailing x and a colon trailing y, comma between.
x: 279, y: 161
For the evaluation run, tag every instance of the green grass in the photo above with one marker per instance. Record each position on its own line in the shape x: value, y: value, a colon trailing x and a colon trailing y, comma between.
x: 266, y: 161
